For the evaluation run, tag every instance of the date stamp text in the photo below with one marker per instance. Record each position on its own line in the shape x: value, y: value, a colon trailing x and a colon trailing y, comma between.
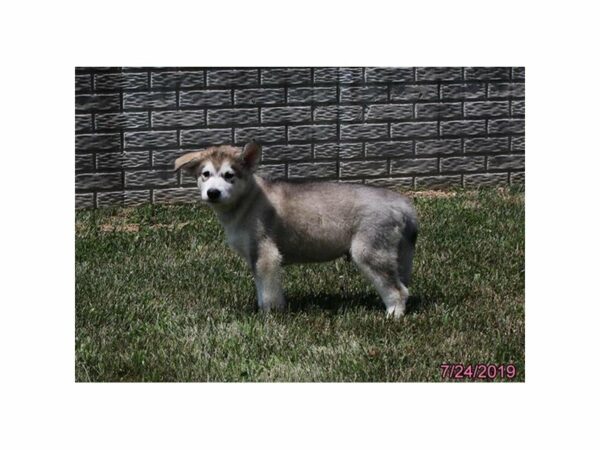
x: 478, y: 371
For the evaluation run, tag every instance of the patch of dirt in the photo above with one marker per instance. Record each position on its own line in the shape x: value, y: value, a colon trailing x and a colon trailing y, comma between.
x: 169, y: 226
x: 472, y: 204
x: 120, y: 228
x: 124, y: 212
x: 511, y: 197
x: 118, y: 222
x: 431, y: 194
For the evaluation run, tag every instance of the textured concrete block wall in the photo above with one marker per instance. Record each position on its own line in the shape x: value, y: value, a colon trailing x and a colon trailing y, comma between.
x: 423, y: 127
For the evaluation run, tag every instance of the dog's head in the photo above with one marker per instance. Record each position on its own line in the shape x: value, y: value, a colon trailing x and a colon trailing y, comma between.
x: 222, y: 173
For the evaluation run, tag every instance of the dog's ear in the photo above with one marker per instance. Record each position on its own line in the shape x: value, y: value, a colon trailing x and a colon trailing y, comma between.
x: 189, y: 161
x: 251, y: 154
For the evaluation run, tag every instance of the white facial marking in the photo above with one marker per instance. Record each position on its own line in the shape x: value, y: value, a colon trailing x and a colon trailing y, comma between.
x: 224, y: 181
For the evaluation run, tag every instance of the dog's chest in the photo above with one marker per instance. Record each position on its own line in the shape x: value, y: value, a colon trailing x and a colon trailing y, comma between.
x: 238, y: 240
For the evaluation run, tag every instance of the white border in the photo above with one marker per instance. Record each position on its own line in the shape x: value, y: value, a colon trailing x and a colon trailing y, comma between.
x: 42, y: 406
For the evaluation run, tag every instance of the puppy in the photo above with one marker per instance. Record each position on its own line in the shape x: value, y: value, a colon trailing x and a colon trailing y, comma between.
x: 271, y: 224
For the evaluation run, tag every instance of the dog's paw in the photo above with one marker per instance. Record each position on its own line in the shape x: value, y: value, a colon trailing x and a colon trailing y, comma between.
x: 396, y: 311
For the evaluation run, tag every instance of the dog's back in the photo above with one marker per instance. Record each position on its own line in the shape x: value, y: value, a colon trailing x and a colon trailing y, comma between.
x: 318, y: 221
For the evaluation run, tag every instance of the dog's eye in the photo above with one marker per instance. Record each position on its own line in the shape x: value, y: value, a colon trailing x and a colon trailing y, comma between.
x: 228, y: 175
x: 206, y: 174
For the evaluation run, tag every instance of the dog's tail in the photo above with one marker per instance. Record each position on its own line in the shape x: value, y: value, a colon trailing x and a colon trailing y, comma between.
x: 411, y: 231
x: 406, y: 249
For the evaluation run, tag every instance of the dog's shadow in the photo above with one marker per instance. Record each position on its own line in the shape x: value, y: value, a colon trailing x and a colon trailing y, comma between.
x: 336, y: 302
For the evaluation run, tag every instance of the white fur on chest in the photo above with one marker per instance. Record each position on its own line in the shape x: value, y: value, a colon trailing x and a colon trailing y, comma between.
x: 238, y: 240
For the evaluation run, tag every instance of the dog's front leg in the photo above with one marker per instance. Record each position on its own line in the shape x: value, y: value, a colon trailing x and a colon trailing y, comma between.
x: 267, y: 275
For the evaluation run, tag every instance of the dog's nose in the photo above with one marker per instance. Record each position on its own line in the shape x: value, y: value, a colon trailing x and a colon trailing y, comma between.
x: 213, y: 194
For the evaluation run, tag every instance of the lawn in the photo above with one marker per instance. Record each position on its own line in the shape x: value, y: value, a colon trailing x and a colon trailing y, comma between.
x: 160, y: 297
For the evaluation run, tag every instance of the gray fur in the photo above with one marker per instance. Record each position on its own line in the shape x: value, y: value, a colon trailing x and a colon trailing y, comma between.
x: 271, y: 224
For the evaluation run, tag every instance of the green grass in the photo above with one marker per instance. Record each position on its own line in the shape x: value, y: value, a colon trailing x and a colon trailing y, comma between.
x: 160, y: 297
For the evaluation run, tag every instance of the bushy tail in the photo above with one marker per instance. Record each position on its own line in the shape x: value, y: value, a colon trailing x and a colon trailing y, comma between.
x: 406, y: 250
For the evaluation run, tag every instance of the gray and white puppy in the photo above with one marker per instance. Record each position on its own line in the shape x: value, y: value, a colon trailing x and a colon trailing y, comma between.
x: 275, y: 223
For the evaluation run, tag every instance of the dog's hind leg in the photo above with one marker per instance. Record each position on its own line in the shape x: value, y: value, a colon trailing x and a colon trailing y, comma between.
x: 267, y: 276
x: 380, y: 266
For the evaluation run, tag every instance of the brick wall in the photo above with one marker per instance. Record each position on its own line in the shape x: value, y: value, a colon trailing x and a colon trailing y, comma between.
x: 424, y: 127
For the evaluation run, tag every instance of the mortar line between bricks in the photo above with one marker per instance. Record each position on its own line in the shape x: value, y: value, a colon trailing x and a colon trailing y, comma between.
x: 324, y: 141
x: 316, y: 85
x: 338, y: 93
x: 452, y: 100
x: 449, y: 173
